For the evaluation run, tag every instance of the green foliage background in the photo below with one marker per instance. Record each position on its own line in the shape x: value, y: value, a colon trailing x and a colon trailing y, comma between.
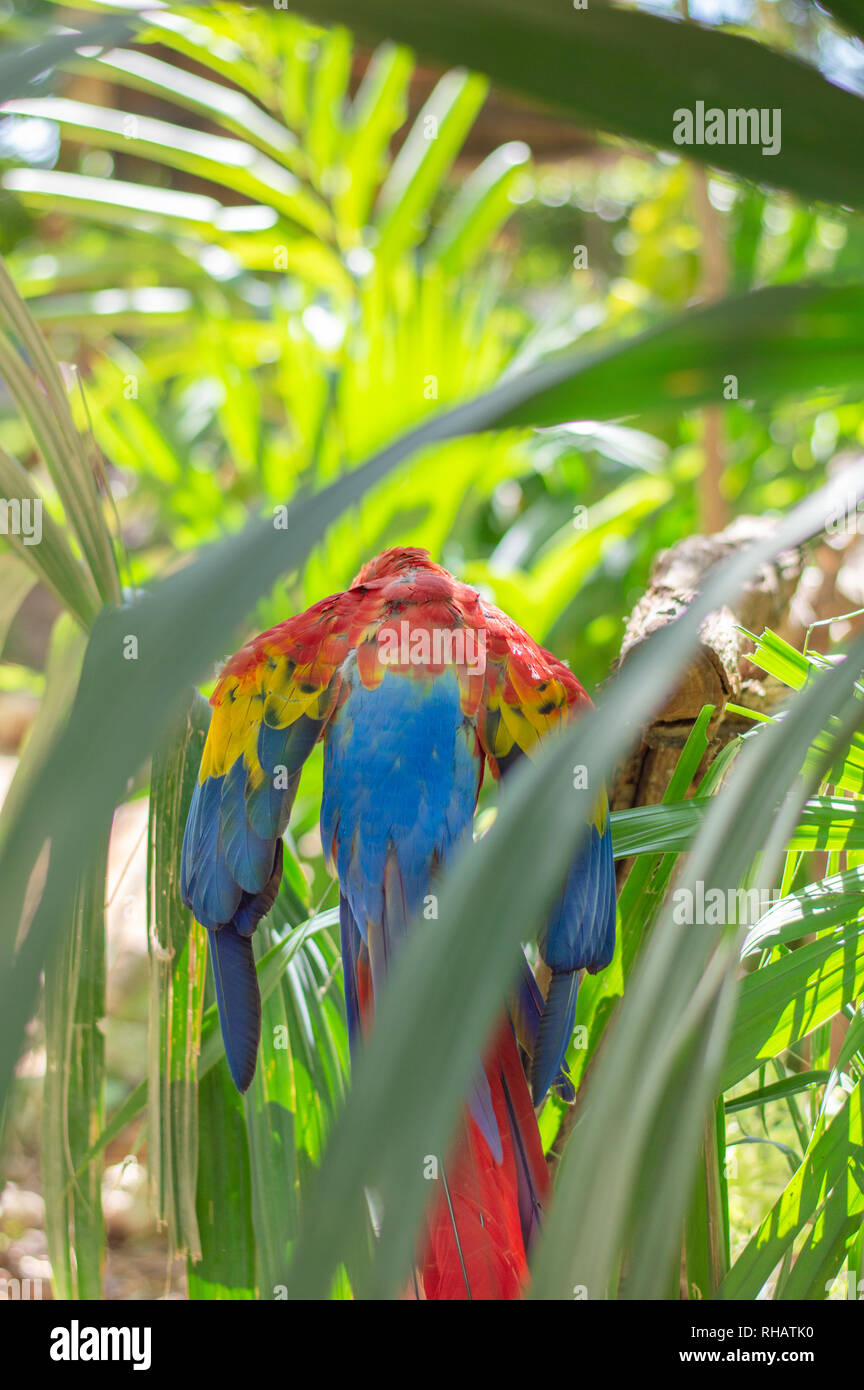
x: 284, y: 302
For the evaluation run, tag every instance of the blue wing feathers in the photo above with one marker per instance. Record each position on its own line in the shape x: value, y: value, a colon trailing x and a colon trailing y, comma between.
x: 280, y: 749
x: 554, y: 1032
x: 352, y: 948
x: 231, y: 868
x: 249, y: 857
x: 207, y: 885
x: 580, y: 934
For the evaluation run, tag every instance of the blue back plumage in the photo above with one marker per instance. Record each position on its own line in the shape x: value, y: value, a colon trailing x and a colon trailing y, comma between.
x: 400, y: 783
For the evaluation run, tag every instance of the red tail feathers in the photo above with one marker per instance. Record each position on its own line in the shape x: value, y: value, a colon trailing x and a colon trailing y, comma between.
x: 480, y: 1226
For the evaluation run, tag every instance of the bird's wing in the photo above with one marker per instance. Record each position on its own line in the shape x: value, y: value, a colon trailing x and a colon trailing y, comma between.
x: 528, y: 694
x: 270, y: 707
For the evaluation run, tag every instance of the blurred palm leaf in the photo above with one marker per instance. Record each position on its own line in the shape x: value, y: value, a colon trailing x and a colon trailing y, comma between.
x: 627, y: 72
x: 26, y: 62
x: 177, y: 964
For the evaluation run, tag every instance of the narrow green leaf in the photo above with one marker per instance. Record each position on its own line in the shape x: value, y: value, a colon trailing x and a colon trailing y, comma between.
x: 429, y: 149
x: 706, y: 1239
x: 776, y: 1090
x: 226, y: 107
x: 226, y: 1269
x: 481, y: 206
x: 776, y: 656
x: 228, y: 162
x: 62, y: 671
x: 830, y: 822
x: 177, y: 964
x: 666, y: 828
x: 377, y: 112
x: 56, y: 434
x: 16, y: 581
x: 817, y: 907
x: 51, y: 561
x: 324, y: 126
x: 299, y: 1081
x: 74, y: 1099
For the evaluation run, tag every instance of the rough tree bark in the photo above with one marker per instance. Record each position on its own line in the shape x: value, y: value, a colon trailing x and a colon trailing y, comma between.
x: 720, y: 673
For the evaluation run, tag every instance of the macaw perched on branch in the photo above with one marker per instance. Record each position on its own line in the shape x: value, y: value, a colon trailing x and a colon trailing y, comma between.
x: 414, y: 683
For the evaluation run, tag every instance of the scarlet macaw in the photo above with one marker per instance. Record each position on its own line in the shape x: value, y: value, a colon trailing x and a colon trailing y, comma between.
x: 414, y: 683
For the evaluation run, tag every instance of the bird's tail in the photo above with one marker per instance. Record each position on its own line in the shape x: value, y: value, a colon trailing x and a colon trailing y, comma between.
x: 238, y: 1000
x: 492, y: 1188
